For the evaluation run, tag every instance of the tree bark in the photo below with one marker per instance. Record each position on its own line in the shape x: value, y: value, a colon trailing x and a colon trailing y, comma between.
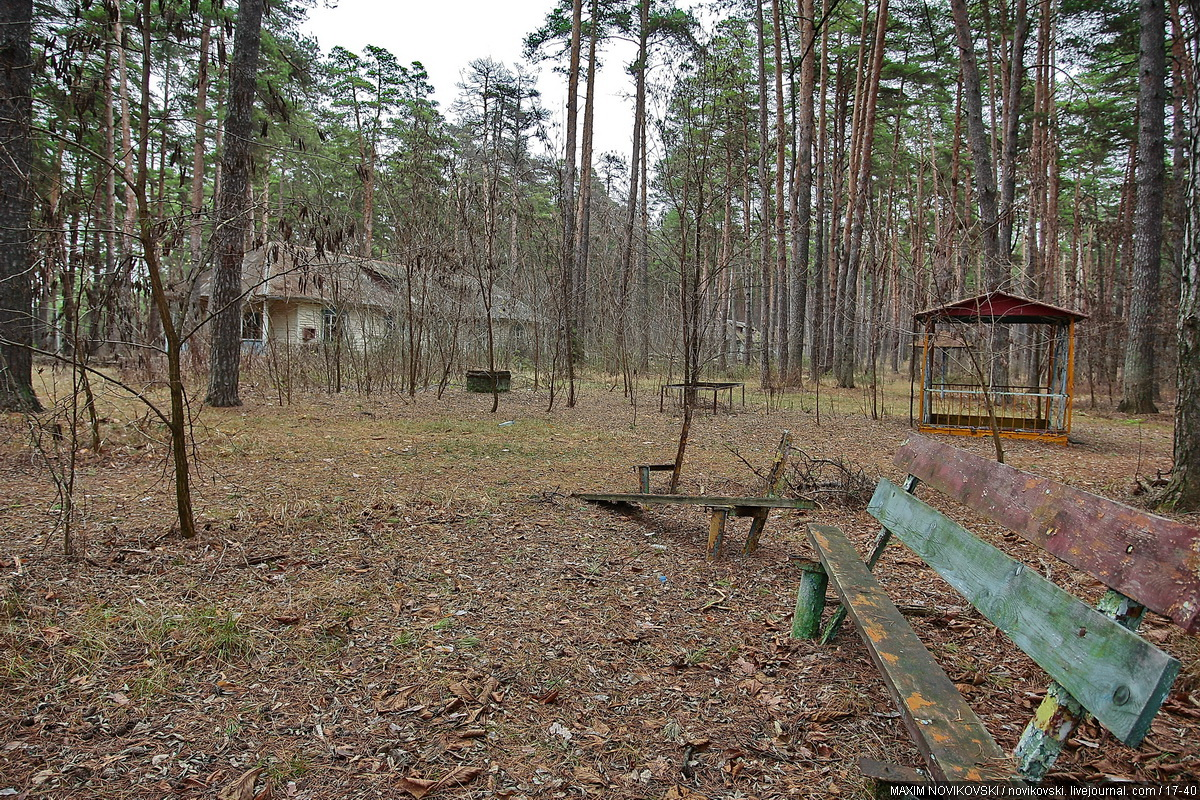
x: 844, y: 361
x: 635, y: 177
x: 1140, y: 351
x: 803, y: 194
x: 16, y: 208
x: 764, y: 188
x: 98, y: 294
x: 783, y: 318
x: 583, y: 210
x: 233, y: 218
x: 1011, y: 113
x: 820, y: 338
x: 196, y: 234
x: 985, y: 174
x: 122, y: 319
x: 1183, y: 491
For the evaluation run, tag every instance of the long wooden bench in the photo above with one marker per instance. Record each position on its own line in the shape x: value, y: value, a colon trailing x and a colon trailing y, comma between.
x: 1098, y: 664
x: 720, y: 509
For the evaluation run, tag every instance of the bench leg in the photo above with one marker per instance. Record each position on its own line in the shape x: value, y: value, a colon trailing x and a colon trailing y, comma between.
x: 645, y: 479
x: 716, y: 531
x: 758, y: 522
x: 810, y: 600
x: 1060, y: 713
x: 1046, y: 734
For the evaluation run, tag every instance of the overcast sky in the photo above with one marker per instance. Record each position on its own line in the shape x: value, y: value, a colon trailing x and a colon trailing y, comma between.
x: 445, y: 36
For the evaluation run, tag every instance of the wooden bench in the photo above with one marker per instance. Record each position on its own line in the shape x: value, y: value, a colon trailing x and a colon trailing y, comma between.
x: 720, y: 508
x: 644, y: 470
x: 1099, y: 665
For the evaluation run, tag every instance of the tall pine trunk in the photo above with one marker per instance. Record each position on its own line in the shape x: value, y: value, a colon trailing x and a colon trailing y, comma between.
x: 822, y: 309
x: 844, y: 362
x: 16, y: 208
x: 569, y: 325
x: 583, y: 210
x: 233, y: 212
x: 635, y: 177
x: 196, y: 233
x: 783, y: 291
x: 1183, y: 492
x: 1138, y: 387
x: 803, y: 193
x: 764, y: 188
x: 981, y: 154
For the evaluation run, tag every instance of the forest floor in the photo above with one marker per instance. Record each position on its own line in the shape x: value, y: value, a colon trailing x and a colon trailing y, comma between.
x: 392, y: 597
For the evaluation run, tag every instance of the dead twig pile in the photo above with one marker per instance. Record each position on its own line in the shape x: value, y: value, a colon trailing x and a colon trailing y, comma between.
x: 828, y: 481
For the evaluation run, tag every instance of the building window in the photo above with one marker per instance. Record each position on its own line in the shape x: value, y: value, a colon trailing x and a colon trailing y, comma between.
x: 331, y: 324
x: 252, y: 325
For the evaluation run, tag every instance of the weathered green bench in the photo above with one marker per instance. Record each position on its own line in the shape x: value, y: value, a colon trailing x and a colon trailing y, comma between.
x: 1099, y: 665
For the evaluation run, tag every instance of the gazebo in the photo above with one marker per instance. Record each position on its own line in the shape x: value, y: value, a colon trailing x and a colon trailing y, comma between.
x: 973, y: 368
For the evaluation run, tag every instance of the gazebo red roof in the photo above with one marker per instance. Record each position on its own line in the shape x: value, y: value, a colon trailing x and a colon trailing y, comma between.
x: 1000, y: 307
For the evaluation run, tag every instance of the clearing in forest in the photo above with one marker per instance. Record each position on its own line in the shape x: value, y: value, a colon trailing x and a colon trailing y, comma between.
x: 392, y: 598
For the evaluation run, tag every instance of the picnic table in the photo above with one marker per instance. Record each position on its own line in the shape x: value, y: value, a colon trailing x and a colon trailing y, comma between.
x: 716, y: 387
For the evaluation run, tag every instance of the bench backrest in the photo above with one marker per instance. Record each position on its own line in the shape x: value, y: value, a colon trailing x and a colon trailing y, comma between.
x: 1116, y: 675
x: 1150, y: 559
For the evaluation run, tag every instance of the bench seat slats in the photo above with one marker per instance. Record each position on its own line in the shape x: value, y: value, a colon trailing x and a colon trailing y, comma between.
x: 1151, y: 559
x: 1116, y: 675
x: 949, y: 734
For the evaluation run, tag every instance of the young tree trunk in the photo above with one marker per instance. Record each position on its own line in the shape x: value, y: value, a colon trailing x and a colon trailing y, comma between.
x: 1138, y: 387
x: 233, y: 213
x: 148, y: 224
x: 196, y: 233
x: 16, y: 208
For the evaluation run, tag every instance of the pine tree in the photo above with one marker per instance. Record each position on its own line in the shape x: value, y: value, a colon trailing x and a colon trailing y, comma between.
x: 16, y: 206
x: 233, y: 218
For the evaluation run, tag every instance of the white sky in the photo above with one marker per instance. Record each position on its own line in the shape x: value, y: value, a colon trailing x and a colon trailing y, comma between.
x: 445, y: 36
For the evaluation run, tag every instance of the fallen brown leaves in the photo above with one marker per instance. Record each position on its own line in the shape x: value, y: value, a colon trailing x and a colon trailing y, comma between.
x: 419, y: 787
x: 242, y: 788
